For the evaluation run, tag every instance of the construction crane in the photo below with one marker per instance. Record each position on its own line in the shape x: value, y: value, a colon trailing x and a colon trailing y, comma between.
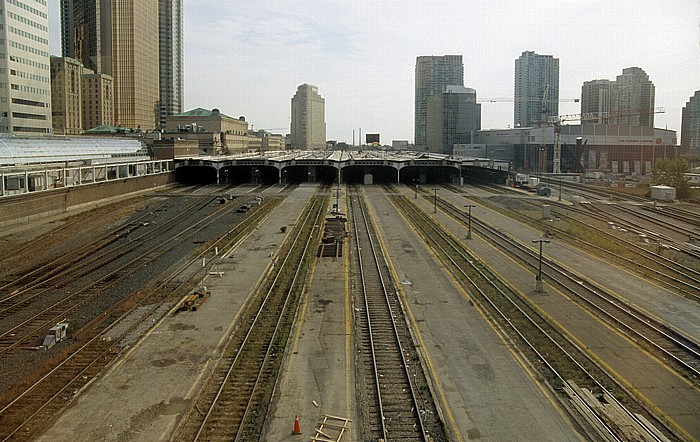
x: 512, y: 99
x: 252, y: 128
x: 557, y: 121
x: 544, y: 100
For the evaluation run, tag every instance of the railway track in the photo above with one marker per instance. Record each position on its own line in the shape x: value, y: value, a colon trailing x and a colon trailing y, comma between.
x: 88, y: 258
x: 681, y: 279
x: 27, y: 329
x: 400, y: 404
x: 671, y: 346
x: 17, y: 282
x: 234, y: 402
x: 650, y: 222
x: 668, y: 272
x: 588, y: 191
x: 105, y: 338
x: 582, y: 385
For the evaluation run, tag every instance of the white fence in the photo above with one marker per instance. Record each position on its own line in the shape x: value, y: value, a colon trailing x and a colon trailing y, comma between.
x: 21, y: 182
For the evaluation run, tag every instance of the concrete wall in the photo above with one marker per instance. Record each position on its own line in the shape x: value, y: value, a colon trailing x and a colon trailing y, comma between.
x: 21, y: 209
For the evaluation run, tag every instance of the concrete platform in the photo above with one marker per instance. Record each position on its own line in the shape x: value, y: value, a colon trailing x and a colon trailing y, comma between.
x: 318, y: 377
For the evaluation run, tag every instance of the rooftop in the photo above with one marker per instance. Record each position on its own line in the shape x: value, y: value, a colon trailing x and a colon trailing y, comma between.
x: 201, y: 112
x: 23, y: 151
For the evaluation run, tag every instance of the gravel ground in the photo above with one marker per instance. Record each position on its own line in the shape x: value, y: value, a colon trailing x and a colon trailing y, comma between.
x: 48, y: 240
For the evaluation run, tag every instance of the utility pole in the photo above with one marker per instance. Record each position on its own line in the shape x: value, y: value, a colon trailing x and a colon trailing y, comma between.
x: 539, y: 287
x: 435, y: 201
x: 469, y: 228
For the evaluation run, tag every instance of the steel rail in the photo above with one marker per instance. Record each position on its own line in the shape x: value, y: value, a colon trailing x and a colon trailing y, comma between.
x: 364, y: 229
x: 49, y: 316
x: 87, y: 259
x: 469, y: 259
x: 529, y: 256
x: 189, y: 270
x: 252, y: 329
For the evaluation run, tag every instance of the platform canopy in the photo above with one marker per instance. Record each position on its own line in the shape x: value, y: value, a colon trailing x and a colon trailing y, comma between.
x: 27, y: 151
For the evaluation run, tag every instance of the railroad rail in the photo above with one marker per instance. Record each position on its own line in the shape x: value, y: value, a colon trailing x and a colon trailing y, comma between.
x: 87, y: 258
x: 653, y: 265
x: 399, y: 398
x: 562, y: 363
x: 670, y: 345
x: 104, y: 339
x: 586, y: 191
x: 682, y: 279
x: 26, y: 329
x: 234, y: 402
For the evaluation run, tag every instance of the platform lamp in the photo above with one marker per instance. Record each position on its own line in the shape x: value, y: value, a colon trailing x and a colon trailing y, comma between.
x: 539, y: 287
x: 469, y: 223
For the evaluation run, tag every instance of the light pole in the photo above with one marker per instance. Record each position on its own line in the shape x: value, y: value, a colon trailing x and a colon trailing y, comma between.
x: 469, y: 224
x: 559, y: 188
x: 415, y: 184
x: 435, y: 201
x: 539, y: 288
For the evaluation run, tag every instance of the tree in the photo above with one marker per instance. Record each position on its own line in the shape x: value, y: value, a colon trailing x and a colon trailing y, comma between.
x: 668, y: 172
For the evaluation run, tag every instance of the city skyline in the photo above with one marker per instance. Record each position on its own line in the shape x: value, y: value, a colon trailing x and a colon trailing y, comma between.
x: 362, y: 56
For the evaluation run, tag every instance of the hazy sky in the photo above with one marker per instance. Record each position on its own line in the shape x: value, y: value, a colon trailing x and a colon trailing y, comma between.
x: 248, y: 57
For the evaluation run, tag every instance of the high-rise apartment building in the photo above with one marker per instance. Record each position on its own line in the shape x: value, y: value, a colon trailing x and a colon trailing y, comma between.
x: 66, y: 95
x: 25, y: 83
x: 120, y: 39
x: 453, y: 116
x: 536, y: 88
x: 308, y: 128
x: 633, y: 98
x: 170, y: 59
x: 596, y: 99
x: 433, y: 75
x: 690, y: 124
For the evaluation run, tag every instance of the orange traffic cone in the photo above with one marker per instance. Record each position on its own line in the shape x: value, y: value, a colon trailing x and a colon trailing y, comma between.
x: 297, y: 427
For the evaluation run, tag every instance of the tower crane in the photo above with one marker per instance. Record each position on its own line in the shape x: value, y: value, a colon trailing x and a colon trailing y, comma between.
x: 544, y: 100
x: 252, y: 128
x: 557, y: 121
x: 512, y: 99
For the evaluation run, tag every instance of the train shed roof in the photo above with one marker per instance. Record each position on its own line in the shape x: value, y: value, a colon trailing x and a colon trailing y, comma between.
x: 28, y: 151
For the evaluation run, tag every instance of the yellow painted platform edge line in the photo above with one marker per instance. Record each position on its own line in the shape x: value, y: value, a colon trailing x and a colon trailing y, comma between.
x: 579, y: 305
x: 587, y: 312
x: 612, y: 372
x: 414, y: 325
x: 597, y: 259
